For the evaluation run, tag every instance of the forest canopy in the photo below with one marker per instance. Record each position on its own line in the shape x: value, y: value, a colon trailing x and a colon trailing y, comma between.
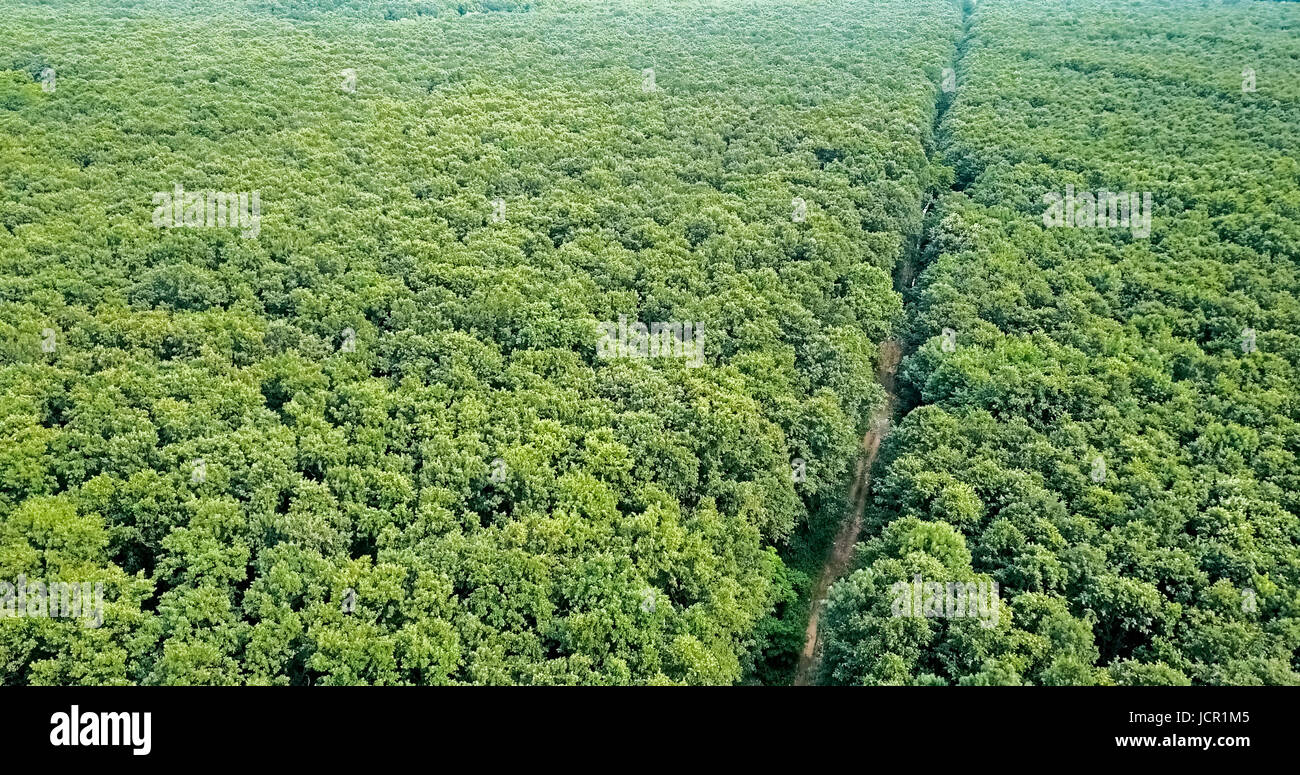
x: 1109, y: 433
x: 435, y: 342
x: 393, y: 389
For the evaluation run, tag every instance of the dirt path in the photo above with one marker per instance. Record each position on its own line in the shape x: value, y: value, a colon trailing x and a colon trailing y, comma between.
x: 841, y: 552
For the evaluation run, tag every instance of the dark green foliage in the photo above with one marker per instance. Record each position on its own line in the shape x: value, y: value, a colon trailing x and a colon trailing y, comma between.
x: 375, y: 439
x: 1176, y: 561
x: 350, y: 375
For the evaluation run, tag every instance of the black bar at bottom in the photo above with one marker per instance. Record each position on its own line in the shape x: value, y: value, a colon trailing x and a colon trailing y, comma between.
x: 440, y: 726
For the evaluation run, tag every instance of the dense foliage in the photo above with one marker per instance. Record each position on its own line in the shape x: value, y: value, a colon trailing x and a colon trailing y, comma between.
x: 1170, y: 358
x: 369, y: 432
x: 393, y: 387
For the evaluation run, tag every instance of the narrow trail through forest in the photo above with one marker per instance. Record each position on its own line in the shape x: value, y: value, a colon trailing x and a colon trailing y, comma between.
x: 841, y: 551
x: 840, y: 554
